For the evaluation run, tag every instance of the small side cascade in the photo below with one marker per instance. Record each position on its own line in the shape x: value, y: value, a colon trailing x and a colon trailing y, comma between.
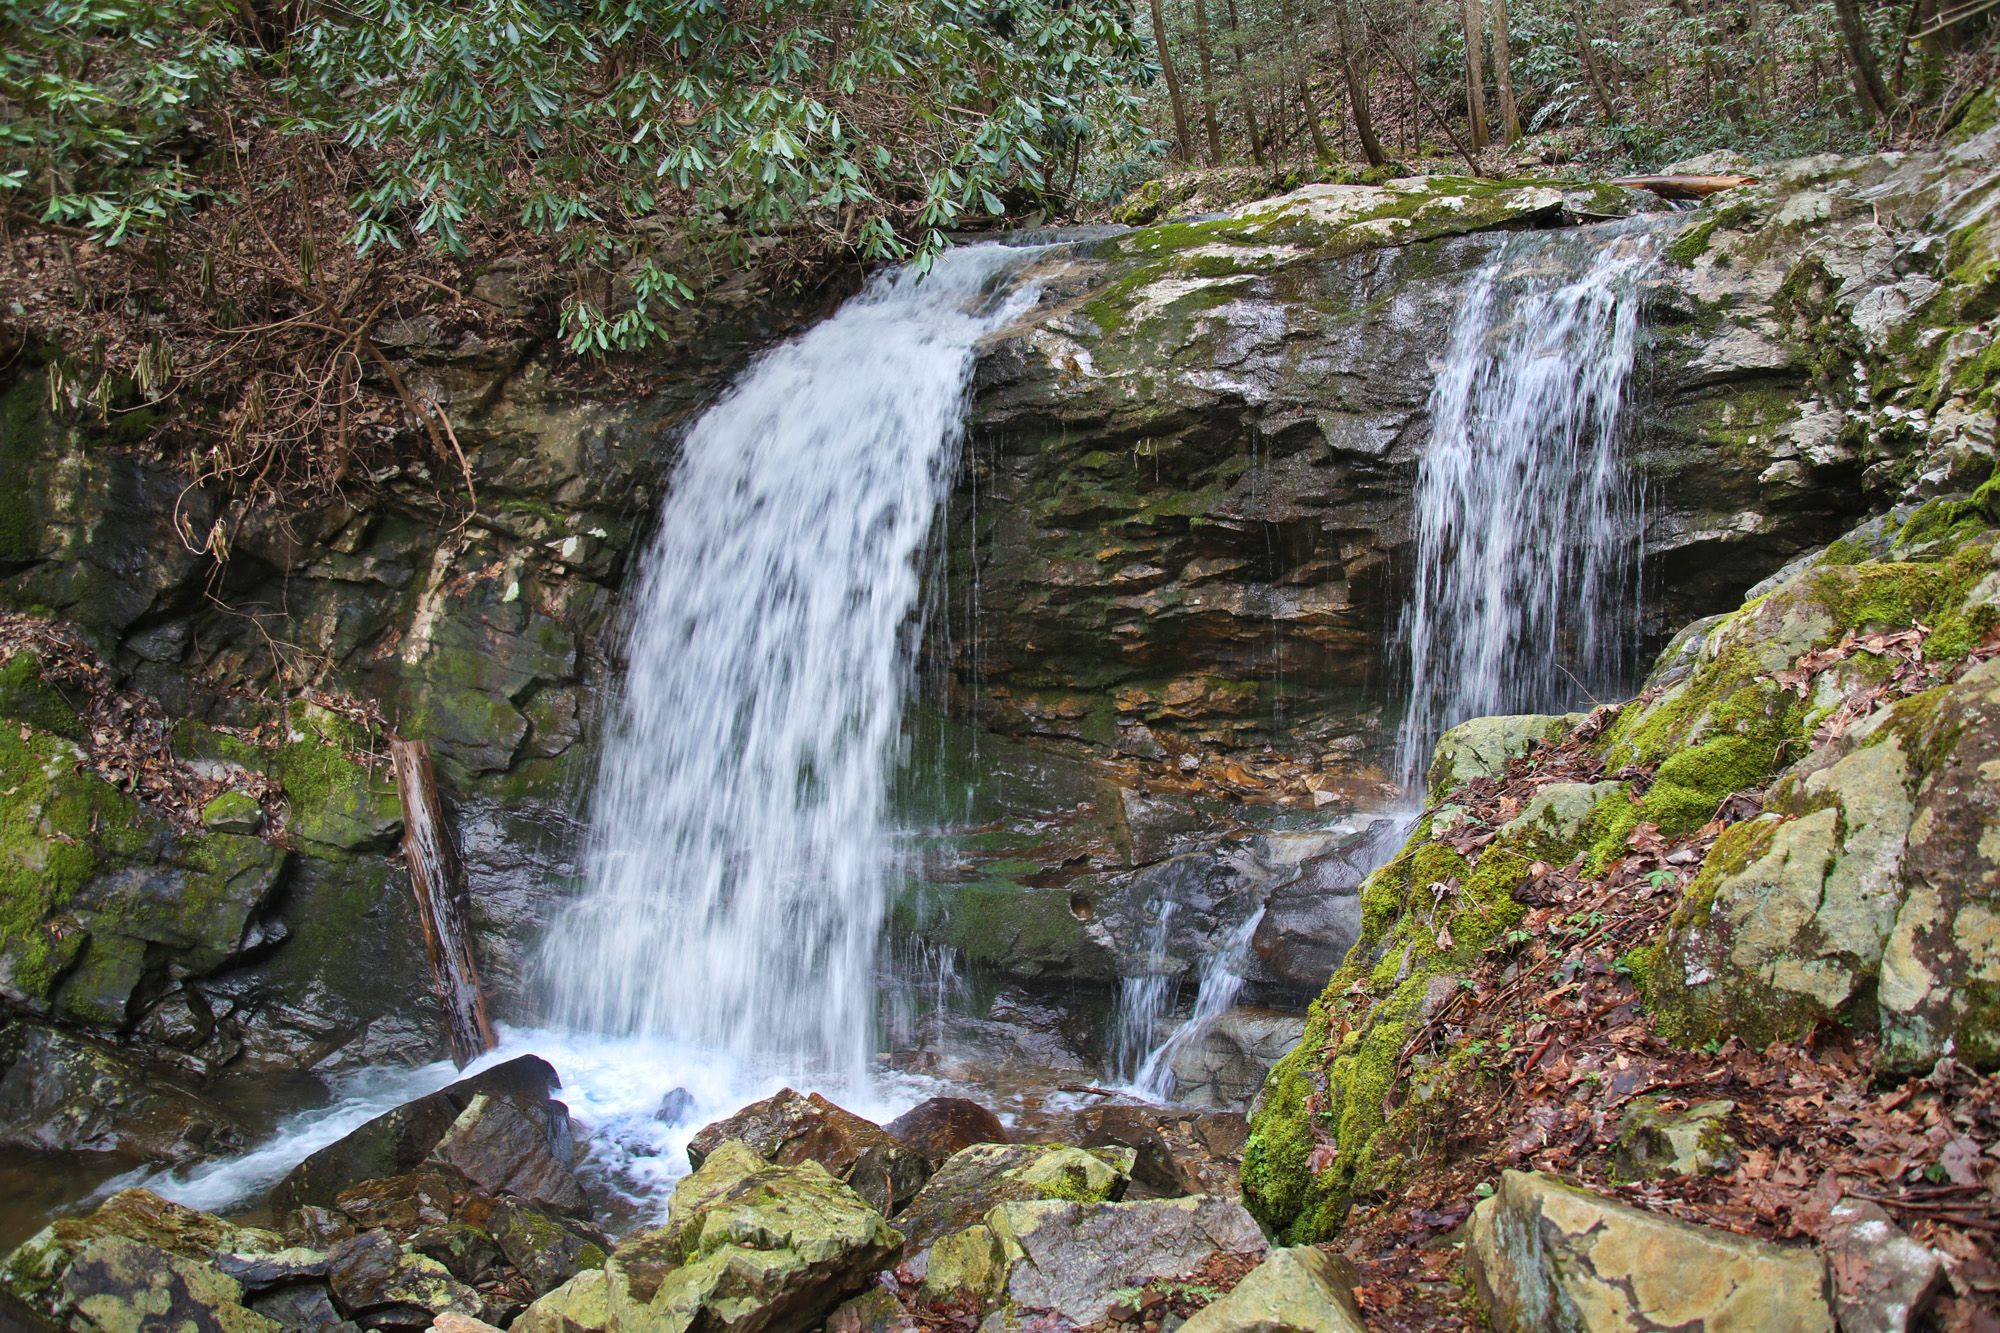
x: 1222, y: 977
x: 1527, y: 519
x: 1144, y: 998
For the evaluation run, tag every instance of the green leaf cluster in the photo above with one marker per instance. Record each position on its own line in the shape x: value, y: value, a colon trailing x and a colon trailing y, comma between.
x: 639, y: 136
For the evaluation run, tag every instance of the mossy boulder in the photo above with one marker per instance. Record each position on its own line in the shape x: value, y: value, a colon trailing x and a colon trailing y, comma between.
x: 976, y: 1179
x: 26, y: 697
x: 1869, y: 892
x: 1550, y: 1258
x: 36, y: 1272
x: 98, y: 894
x: 1076, y: 1261
x: 331, y: 795
x: 749, y: 1247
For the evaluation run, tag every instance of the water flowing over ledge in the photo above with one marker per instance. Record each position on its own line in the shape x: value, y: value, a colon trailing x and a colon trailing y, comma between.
x: 739, y: 855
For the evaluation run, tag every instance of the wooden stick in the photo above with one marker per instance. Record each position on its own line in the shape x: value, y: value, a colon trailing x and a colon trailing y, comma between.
x: 1684, y: 187
x: 438, y: 881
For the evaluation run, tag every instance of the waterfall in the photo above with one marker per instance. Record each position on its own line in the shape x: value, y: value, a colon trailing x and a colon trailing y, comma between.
x: 1527, y: 520
x: 1144, y: 998
x: 1221, y: 982
x: 739, y: 859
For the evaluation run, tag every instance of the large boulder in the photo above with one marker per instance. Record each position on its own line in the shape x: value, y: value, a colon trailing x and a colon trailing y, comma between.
x: 1296, y: 1290
x: 1868, y: 890
x: 1076, y: 1260
x: 515, y: 1146
x: 400, y: 1140
x: 975, y: 1179
x: 115, y: 1284
x: 64, y: 1093
x: 1549, y: 1258
x: 940, y: 1126
x: 376, y: 1280
x: 38, y: 1272
x: 749, y: 1247
x: 790, y: 1128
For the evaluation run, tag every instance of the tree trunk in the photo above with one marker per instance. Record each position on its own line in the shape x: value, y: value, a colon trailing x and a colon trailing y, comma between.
x: 1207, y: 83
x: 1475, y: 76
x: 1592, y: 75
x: 1181, y: 138
x: 1503, y: 68
x: 1868, y: 86
x: 438, y: 881
x: 1357, y: 91
x: 1243, y: 90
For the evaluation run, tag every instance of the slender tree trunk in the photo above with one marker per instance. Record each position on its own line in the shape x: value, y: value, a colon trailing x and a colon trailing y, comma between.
x: 1503, y: 68
x: 1181, y: 137
x: 1592, y: 75
x: 1475, y: 76
x: 1243, y: 91
x: 1357, y: 91
x: 1313, y: 127
x: 1868, y: 85
x: 1207, y: 83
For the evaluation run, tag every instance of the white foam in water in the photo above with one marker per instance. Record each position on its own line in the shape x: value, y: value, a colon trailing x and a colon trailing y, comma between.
x: 613, y: 1087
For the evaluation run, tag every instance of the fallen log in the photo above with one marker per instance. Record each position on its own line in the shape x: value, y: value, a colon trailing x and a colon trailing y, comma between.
x: 438, y: 881
x: 1684, y: 187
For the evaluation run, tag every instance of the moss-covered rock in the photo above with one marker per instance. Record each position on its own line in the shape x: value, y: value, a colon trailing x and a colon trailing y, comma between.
x: 1812, y: 911
x: 749, y: 1246
x: 331, y: 796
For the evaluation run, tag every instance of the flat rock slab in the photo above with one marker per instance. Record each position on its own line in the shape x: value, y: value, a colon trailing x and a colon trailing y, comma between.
x: 1076, y: 1260
x: 1550, y: 1258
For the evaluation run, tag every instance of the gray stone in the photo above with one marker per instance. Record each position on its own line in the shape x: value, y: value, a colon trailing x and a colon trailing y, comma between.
x: 1297, y: 1290
x: 1883, y: 1281
x: 63, y: 1093
x: 1076, y: 1260
x: 1483, y: 747
x: 789, y: 1129
x: 974, y: 1180
x: 1549, y: 1258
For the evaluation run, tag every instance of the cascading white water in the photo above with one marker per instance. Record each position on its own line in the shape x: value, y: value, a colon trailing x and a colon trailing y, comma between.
x: 1144, y: 998
x: 1527, y: 519
x: 1222, y: 977
x: 739, y: 858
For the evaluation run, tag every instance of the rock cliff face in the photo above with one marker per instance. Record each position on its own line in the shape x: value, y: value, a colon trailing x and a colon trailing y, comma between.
x: 1800, y: 790
x: 273, y: 676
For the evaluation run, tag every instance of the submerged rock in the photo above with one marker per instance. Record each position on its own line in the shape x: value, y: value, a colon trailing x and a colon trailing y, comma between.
x: 1297, y: 1290
x: 790, y: 1129
x: 1550, y: 1258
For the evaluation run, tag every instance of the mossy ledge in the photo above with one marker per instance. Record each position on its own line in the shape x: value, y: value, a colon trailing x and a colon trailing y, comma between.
x: 1338, y: 1116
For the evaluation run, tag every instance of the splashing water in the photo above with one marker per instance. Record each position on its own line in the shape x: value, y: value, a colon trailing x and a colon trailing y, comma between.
x: 739, y: 861
x: 1222, y: 977
x: 1144, y: 998
x: 1526, y: 517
